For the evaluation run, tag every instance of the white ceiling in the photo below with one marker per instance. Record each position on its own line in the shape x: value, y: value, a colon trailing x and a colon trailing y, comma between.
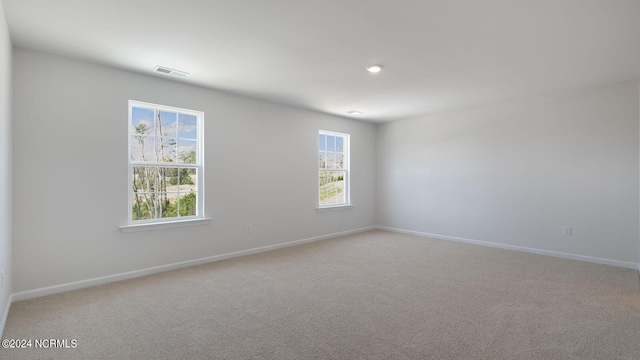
x: 438, y: 55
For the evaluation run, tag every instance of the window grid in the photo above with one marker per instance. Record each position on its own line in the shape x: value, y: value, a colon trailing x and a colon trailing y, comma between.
x: 164, y: 181
x: 333, y: 169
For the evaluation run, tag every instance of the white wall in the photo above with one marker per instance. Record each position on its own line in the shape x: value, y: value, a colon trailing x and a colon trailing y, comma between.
x: 511, y: 173
x: 5, y: 165
x: 70, y: 173
x: 516, y: 173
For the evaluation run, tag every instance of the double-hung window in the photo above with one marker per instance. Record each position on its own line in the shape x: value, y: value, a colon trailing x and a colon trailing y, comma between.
x: 165, y: 163
x: 333, y: 169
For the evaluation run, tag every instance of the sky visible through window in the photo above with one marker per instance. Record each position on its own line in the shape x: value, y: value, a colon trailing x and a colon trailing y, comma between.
x: 179, y: 133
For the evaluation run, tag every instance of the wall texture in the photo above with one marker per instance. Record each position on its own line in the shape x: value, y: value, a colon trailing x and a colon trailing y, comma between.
x: 70, y: 173
x: 5, y: 165
x: 516, y: 173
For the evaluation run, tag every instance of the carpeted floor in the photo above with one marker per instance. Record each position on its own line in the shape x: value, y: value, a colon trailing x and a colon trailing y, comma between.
x: 374, y: 295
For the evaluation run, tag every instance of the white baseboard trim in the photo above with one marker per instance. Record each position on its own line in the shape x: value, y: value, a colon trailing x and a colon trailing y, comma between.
x: 622, y: 264
x: 5, y: 314
x: 30, y: 294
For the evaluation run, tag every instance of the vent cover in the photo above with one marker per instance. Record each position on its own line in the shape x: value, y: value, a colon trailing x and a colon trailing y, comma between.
x: 172, y: 72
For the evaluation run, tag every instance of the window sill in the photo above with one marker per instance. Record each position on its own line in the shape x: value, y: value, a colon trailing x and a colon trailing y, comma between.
x: 164, y: 225
x: 336, y: 207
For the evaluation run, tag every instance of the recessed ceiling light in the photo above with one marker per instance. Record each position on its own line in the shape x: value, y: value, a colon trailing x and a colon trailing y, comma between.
x: 354, y: 112
x: 172, y: 72
x: 374, y: 68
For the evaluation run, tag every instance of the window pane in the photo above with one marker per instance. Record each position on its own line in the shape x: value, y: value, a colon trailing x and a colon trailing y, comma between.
x: 141, y: 121
x: 331, y: 143
x: 187, y: 151
x: 322, y: 142
x: 187, y: 126
x: 339, y: 144
x: 340, y: 161
x: 141, y: 206
x: 165, y: 177
x: 144, y: 179
x: 188, y: 204
x: 167, y: 124
x: 322, y: 160
x: 331, y: 160
x: 323, y: 178
x: 143, y: 148
x: 168, y: 179
x: 187, y: 180
x: 322, y: 181
x: 167, y: 205
x: 167, y: 149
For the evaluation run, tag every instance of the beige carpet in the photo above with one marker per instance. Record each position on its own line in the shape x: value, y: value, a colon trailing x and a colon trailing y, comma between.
x: 375, y: 295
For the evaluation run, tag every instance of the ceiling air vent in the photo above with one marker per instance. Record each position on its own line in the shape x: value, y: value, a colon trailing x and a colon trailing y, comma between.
x: 172, y: 72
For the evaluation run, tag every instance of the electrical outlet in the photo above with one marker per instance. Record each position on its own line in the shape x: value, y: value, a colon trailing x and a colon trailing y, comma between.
x: 566, y: 230
x: 1, y: 280
x: 249, y: 228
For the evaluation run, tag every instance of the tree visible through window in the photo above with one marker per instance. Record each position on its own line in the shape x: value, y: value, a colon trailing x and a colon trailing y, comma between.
x: 165, y: 163
x: 333, y: 168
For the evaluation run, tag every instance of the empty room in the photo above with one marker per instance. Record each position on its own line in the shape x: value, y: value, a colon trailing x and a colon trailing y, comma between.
x: 211, y: 179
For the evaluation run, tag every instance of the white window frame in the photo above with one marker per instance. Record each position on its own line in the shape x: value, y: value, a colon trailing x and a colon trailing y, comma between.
x: 149, y: 224
x: 346, y: 169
